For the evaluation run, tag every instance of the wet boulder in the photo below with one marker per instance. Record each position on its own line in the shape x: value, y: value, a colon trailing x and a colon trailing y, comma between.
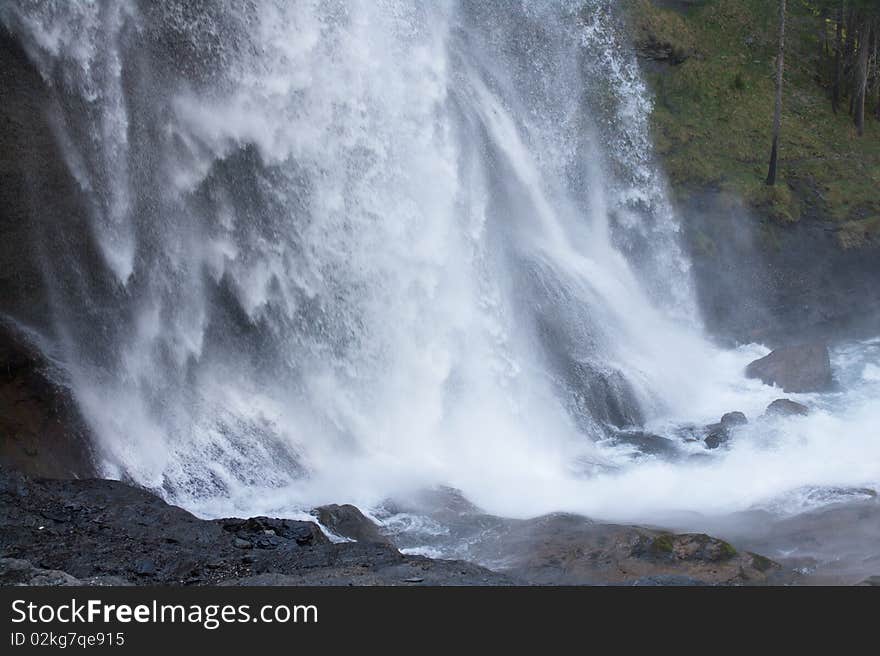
x: 349, y: 522
x: 800, y: 368
x: 646, y: 443
x: 786, y: 408
x: 15, y: 571
x: 736, y: 418
x: 720, y: 433
x: 566, y: 549
x: 270, y: 532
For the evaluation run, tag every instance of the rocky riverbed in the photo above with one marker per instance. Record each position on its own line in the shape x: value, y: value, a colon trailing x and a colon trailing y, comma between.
x: 100, y: 532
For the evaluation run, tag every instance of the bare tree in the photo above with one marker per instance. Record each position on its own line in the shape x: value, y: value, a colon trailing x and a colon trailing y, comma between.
x: 862, y: 76
x: 838, y: 57
x: 777, y: 114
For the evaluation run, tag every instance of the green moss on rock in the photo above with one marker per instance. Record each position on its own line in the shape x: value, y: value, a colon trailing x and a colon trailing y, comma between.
x: 727, y: 550
x: 663, y: 543
x: 761, y: 563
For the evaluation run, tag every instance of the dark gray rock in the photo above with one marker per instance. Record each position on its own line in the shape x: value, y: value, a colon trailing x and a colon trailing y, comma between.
x: 145, y: 567
x: 15, y: 571
x: 720, y: 433
x: 647, y: 443
x: 786, y: 408
x: 733, y: 419
x: 603, y: 396
x: 716, y: 436
x: 349, y: 522
x: 802, y: 368
x: 108, y: 533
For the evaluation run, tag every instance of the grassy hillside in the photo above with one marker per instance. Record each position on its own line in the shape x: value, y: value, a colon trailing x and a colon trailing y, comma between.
x: 714, y: 88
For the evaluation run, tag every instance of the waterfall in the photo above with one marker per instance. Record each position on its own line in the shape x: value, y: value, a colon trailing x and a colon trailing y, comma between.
x: 346, y: 243
x: 337, y: 250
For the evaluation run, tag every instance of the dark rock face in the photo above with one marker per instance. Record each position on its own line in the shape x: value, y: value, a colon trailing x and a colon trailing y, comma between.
x: 647, y: 443
x: 716, y: 437
x: 758, y: 281
x: 101, y: 532
x: 605, y: 396
x: 735, y: 418
x: 720, y: 433
x: 349, y: 522
x: 802, y: 368
x: 14, y: 571
x: 786, y: 407
x: 41, y: 430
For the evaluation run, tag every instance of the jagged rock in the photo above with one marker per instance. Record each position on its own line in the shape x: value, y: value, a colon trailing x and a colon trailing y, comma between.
x: 349, y: 522
x: 113, y: 534
x: 720, y: 433
x: 268, y: 532
x: 602, y: 396
x: 15, y: 571
x: 802, y: 368
x: 786, y: 408
x: 647, y: 443
x: 716, y: 436
x: 733, y: 419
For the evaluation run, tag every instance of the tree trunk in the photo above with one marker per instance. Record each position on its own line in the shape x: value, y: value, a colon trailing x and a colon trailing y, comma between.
x: 862, y: 76
x: 838, y: 59
x: 777, y: 113
x: 849, y: 54
x: 877, y: 67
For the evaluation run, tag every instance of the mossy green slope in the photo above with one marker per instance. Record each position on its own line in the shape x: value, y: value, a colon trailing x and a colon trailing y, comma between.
x: 714, y: 110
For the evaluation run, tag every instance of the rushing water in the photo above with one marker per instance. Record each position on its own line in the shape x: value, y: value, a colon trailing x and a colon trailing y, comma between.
x: 355, y: 249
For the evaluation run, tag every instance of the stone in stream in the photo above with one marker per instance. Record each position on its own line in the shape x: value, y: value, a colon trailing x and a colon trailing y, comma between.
x: 720, y: 433
x: 349, y: 522
x: 786, y: 408
x: 801, y: 368
x: 647, y: 443
x: 735, y: 418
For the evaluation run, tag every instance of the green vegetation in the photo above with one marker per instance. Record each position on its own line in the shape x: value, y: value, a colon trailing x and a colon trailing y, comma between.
x: 714, y: 111
x: 761, y: 563
x: 663, y: 543
x: 727, y: 550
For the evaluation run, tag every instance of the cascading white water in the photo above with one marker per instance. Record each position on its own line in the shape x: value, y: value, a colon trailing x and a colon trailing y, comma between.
x: 358, y: 248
